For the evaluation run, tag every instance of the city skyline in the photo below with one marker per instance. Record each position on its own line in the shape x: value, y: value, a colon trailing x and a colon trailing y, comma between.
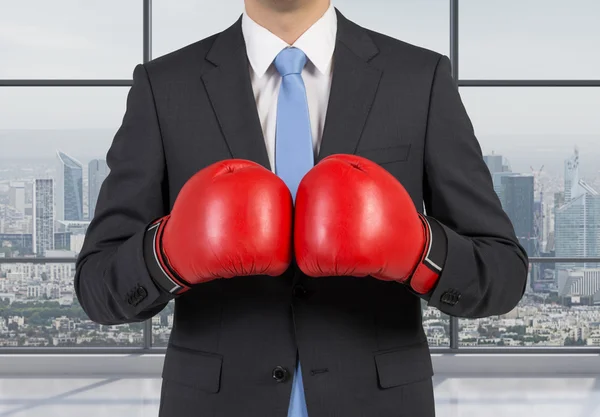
x: 561, y: 307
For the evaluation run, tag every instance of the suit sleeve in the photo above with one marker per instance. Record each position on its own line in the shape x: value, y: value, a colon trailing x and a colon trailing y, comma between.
x: 112, y: 281
x: 485, y: 268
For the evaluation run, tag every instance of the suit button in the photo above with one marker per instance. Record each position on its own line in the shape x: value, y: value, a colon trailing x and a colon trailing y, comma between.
x: 280, y: 374
x: 299, y: 291
x: 141, y: 292
x: 451, y: 297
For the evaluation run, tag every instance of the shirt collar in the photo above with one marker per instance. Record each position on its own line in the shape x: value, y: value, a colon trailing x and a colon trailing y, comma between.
x: 318, y: 43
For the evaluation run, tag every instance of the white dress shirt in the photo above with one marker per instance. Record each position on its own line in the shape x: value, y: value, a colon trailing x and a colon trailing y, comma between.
x: 318, y: 43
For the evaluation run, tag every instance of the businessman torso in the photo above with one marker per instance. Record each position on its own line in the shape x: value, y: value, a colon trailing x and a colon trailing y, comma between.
x: 235, y: 342
x: 361, y: 342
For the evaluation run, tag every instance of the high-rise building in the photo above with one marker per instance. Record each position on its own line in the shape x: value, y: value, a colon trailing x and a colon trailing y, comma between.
x: 517, y: 202
x: 496, y: 163
x: 559, y: 200
x: 538, y: 225
x: 577, y: 220
x: 62, y: 240
x: 76, y: 232
x: 572, y: 189
x: 544, y: 274
x: 583, y: 282
x: 69, y: 188
x: 577, y: 231
x: 43, y: 221
x: 497, y: 179
x: 21, y: 242
x: 97, y: 172
x: 499, y: 168
x: 516, y: 193
x: 16, y: 196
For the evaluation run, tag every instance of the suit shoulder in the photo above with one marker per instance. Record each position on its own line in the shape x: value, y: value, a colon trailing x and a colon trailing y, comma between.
x: 394, y: 50
x: 188, y: 57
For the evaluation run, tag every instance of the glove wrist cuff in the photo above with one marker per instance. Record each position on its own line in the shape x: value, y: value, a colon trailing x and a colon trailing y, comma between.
x: 430, y: 267
x: 157, y: 262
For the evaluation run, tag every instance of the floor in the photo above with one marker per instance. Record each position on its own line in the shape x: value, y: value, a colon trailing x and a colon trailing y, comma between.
x: 461, y: 397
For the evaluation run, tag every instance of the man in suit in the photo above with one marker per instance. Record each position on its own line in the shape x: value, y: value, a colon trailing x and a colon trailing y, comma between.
x: 290, y: 84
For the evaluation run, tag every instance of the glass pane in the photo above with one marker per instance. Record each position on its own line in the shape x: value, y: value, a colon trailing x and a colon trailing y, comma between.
x: 542, y: 146
x: 177, y: 24
x: 424, y: 23
x: 38, y: 306
x: 436, y: 325
x: 161, y: 326
x: 537, y: 126
x: 534, y: 39
x: 70, y: 38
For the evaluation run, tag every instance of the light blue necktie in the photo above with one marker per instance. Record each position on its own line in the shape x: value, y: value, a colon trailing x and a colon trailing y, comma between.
x: 294, y: 157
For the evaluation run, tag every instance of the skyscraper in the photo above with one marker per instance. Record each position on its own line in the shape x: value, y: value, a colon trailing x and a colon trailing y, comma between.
x: 43, y: 216
x: 559, y: 200
x: 572, y: 176
x: 498, y: 181
x: 496, y: 163
x: 97, y: 172
x: 16, y: 196
x: 577, y: 220
x: 517, y: 201
x: 516, y: 193
x: 577, y: 231
x: 538, y: 224
x: 499, y: 169
x: 69, y: 188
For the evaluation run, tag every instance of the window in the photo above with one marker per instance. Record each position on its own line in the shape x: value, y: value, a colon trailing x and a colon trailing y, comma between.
x: 161, y: 326
x: 436, y: 326
x: 51, y: 139
x: 542, y: 148
x: 64, y: 74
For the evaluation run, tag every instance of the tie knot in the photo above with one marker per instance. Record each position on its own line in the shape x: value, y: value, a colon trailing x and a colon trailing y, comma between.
x: 290, y: 61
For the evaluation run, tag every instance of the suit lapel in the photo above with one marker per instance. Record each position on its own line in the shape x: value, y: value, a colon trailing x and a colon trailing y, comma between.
x: 353, y: 89
x: 230, y: 91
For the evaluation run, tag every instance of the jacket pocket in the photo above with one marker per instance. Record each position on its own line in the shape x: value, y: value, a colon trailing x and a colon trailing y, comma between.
x: 386, y: 155
x: 193, y: 369
x: 404, y: 365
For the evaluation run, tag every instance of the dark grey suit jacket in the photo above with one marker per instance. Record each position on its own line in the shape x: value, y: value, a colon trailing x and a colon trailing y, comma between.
x: 360, y: 340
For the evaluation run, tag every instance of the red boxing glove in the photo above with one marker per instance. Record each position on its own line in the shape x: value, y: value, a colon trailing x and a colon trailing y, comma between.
x: 353, y: 218
x: 233, y: 218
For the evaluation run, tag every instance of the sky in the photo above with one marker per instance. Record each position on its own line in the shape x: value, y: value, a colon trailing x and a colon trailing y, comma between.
x: 509, y: 39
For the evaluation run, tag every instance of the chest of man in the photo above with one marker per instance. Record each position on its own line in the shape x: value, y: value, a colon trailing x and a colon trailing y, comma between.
x: 377, y: 114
